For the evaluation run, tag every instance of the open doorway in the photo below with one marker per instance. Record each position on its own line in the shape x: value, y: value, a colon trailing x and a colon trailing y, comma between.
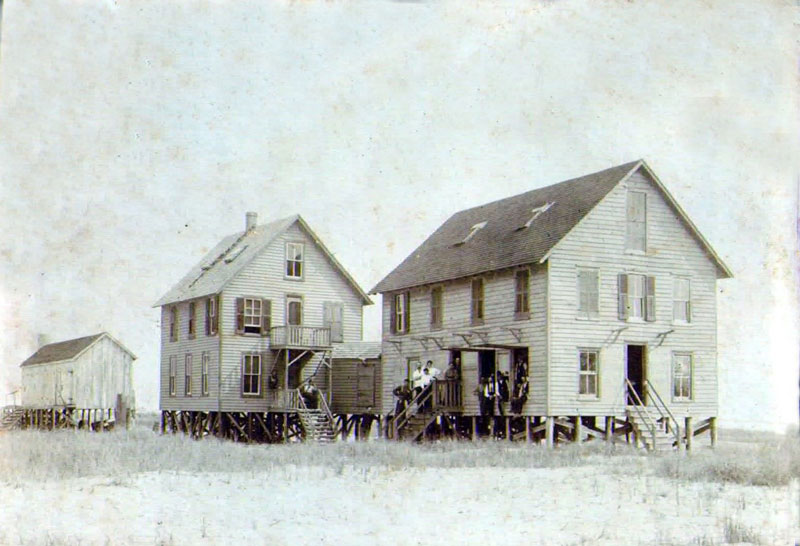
x: 636, y: 373
x: 487, y: 364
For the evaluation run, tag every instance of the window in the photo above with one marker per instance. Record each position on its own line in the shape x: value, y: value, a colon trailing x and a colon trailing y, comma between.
x: 588, y: 293
x: 637, y: 297
x: 212, y: 322
x: 204, y: 373
x: 522, y: 289
x: 173, y: 372
x: 587, y: 382
x: 477, y: 301
x: 173, y: 323
x: 472, y: 231
x: 436, y: 308
x: 636, y: 215
x: 682, y: 376
x: 681, y: 300
x: 251, y: 374
x: 294, y: 260
x: 400, y: 313
x: 187, y: 375
x: 192, y: 309
x: 332, y: 318
x: 294, y: 311
x: 252, y: 316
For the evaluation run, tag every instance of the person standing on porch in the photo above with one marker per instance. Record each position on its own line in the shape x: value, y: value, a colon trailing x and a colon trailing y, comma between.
x: 416, y: 380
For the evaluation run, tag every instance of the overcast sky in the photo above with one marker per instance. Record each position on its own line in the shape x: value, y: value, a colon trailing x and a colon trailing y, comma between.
x: 134, y: 135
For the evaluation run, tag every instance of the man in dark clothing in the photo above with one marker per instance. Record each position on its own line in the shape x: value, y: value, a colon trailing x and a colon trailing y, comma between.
x: 310, y: 394
x: 403, y: 394
x: 520, y: 395
x: 502, y: 391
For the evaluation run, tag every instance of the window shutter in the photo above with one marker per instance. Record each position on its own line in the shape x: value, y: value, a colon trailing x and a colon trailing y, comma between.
x: 407, y: 311
x: 622, y: 300
x: 337, y: 333
x: 393, y: 314
x: 327, y: 315
x: 266, y: 317
x: 208, y: 316
x: 217, y: 311
x: 650, y: 299
x: 239, y: 315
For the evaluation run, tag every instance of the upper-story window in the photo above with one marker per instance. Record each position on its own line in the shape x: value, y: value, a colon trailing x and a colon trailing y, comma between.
x: 588, y: 293
x: 477, y: 301
x: 173, y: 323
x: 636, y: 216
x: 251, y: 374
x: 522, y: 291
x: 212, y: 315
x: 681, y: 300
x: 436, y: 308
x: 253, y: 316
x: 400, y: 313
x: 192, y: 321
x: 637, y: 297
x: 294, y: 260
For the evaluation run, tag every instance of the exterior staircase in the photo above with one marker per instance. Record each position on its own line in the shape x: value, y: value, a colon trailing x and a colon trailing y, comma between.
x: 11, y: 417
x: 317, y: 422
x: 316, y: 425
x: 410, y: 424
x: 415, y: 426
x: 654, y: 425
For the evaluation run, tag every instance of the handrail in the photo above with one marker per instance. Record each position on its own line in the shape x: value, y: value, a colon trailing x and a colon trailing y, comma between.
x: 402, y: 418
x: 645, y: 416
x: 326, y: 409
x: 676, y: 431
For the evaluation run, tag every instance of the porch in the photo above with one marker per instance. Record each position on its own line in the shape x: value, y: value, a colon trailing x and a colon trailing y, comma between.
x: 300, y: 337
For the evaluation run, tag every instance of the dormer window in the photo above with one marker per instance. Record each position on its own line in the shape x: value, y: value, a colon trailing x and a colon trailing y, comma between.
x: 535, y: 213
x: 472, y: 231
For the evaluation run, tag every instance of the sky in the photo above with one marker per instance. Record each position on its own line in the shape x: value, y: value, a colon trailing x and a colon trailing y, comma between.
x: 135, y: 135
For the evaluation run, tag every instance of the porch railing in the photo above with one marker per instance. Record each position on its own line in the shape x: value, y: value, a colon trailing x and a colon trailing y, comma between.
x: 300, y: 336
x: 439, y: 395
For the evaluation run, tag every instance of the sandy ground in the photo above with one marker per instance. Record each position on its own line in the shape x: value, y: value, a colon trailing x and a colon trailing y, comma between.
x: 583, y: 505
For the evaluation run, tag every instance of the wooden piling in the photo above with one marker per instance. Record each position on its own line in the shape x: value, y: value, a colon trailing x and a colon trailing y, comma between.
x: 689, y: 433
x: 609, y: 429
x: 713, y: 425
x: 577, y: 434
x: 474, y: 429
x: 508, y: 428
x: 528, y: 438
x: 548, y: 431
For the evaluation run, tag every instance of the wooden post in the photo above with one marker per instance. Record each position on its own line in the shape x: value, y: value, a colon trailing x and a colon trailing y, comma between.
x: 548, y: 431
x: 163, y: 423
x: 285, y: 427
x: 609, y: 429
x: 474, y: 429
x: 508, y: 428
x: 689, y: 433
x: 713, y: 424
x: 380, y: 426
x: 528, y: 438
x: 577, y: 433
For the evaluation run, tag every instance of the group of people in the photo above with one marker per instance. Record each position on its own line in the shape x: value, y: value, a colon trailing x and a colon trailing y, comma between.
x: 421, y: 379
x: 494, y: 393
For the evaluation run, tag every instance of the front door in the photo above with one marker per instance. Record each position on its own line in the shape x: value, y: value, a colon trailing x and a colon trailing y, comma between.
x: 486, y: 364
x: 365, y: 384
x: 636, y: 372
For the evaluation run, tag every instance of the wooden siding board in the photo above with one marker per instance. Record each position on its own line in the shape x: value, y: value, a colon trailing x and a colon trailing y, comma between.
x: 598, y: 242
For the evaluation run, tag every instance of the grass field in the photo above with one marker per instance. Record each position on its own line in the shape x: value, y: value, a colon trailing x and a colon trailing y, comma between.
x: 138, y: 487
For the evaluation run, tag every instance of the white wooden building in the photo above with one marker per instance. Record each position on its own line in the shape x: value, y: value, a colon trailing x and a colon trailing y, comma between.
x: 601, y: 288
x: 247, y: 326
x: 79, y: 381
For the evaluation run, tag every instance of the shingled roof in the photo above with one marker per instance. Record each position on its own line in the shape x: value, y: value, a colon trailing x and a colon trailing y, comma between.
x: 233, y: 253
x: 501, y: 240
x: 358, y: 350
x: 67, y: 350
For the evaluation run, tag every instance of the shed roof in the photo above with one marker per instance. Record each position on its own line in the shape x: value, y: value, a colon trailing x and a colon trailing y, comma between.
x: 223, y: 262
x: 360, y: 350
x: 67, y: 350
x: 509, y: 232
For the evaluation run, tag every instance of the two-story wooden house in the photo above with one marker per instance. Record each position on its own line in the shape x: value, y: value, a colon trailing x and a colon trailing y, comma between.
x: 597, y: 293
x: 252, y: 322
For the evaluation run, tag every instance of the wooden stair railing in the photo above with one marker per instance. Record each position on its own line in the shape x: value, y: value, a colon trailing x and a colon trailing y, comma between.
x: 317, y: 422
x: 670, y: 423
x: 642, y: 412
x: 418, y: 402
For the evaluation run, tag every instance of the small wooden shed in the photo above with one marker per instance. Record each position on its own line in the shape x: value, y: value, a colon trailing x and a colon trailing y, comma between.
x: 356, y: 371
x: 88, y: 380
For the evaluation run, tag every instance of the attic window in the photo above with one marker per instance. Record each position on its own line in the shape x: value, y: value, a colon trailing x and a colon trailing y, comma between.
x: 536, y: 213
x: 472, y: 231
x: 234, y: 254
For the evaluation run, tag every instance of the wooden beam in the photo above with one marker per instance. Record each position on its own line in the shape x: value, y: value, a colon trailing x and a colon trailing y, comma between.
x: 516, y: 332
x: 548, y: 435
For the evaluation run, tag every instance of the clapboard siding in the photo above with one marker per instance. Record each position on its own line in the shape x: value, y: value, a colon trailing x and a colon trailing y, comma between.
x: 92, y: 380
x: 180, y: 348
x: 348, y: 381
x: 499, y: 294
x: 598, y: 242
x: 264, y: 278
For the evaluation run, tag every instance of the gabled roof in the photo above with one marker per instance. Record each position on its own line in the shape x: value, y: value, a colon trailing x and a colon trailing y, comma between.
x: 518, y: 230
x: 223, y: 262
x: 359, y: 350
x: 68, y: 350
